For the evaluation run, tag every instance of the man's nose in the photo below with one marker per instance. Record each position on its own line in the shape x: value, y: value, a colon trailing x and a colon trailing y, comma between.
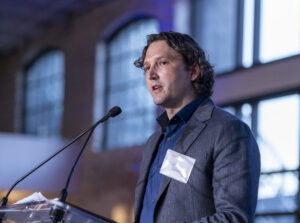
x: 153, y: 73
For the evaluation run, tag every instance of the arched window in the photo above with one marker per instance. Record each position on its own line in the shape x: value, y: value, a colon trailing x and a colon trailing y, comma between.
x: 125, y: 86
x: 44, y: 94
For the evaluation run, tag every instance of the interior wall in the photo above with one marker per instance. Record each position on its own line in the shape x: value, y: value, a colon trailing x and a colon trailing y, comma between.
x: 272, y: 78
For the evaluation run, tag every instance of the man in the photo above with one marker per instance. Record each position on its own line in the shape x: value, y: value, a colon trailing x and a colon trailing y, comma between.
x: 203, y: 164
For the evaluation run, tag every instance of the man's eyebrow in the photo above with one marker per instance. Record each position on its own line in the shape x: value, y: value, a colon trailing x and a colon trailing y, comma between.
x: 158, y: 58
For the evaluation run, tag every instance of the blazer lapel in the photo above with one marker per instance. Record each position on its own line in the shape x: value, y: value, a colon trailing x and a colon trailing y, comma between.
x: 188, y: 136
x: 149, y: 153
x: 192, y: 130
x: 194, y: 126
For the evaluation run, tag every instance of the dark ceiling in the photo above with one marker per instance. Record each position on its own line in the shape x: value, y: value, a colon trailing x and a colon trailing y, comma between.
x: 23, y: 20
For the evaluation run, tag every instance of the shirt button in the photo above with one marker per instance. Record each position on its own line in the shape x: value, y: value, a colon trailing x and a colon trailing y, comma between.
x: 168, y: 139
x: 153, y: 200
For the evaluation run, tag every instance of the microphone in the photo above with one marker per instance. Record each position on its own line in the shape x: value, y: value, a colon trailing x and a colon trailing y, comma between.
x: 114, y: 111
x: 111, y: 113
x: 57, y: 212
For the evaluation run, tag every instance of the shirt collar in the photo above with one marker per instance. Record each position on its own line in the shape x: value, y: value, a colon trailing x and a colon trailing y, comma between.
x: 184, y: 114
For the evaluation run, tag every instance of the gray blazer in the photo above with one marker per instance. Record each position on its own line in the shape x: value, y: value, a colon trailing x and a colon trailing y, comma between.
x: 223, y: 184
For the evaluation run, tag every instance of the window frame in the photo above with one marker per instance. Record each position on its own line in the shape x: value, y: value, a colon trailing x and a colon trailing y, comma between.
x: 254, y: 128
x: 239, y: 48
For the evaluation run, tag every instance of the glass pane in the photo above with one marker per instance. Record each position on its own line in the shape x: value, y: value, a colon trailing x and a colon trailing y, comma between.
x: 278, y: 133
x: 248, y: 33
x: 215, y: 28
x: 278, y: 139
x: 280, y: 29
x: 279, y: 219
x: 246, y: 114
x: 279, y: 186
x: 44, y: 94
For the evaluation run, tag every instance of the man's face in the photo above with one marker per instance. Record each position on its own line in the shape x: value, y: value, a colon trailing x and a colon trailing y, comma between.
x: 167, y: 78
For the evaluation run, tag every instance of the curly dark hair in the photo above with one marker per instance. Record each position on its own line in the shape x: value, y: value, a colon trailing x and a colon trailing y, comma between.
x: 191, y: 53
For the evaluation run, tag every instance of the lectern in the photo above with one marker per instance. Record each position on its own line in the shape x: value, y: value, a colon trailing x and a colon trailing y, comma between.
x: 43, y: 212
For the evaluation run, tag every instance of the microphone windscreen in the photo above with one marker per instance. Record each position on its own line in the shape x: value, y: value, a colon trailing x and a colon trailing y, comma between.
x: 114, y: 111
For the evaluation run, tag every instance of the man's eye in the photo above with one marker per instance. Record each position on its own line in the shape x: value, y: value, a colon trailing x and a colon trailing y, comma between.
x: 163, y: 62
x: 146, y: 68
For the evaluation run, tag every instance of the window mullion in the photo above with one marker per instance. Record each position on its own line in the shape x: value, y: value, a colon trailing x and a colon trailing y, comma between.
x: 256, y: 33
x: 240, y: 33
x: 254, y: 119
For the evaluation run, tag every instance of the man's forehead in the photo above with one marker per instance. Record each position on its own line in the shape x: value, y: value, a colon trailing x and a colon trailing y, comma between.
x: 159, y: 45
x: 160, y: 49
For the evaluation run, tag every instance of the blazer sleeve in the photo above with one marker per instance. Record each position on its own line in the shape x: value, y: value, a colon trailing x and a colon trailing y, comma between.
x: 236, y: 171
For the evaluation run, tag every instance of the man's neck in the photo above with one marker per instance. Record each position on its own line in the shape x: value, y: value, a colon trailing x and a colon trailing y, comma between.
x: 171, y: 111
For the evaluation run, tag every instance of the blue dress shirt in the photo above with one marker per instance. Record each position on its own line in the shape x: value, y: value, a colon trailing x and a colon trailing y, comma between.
x: 172, y: 130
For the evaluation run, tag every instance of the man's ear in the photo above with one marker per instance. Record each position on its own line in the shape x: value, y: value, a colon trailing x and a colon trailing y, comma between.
x: 195, y: 71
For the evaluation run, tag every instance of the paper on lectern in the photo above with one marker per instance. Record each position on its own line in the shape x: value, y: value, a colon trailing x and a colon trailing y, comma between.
x: 35, y: 197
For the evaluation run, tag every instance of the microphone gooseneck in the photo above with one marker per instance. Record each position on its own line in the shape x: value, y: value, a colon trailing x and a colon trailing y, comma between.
x: 64, y: 192
x: 57, y: 213
x: 112, y: 113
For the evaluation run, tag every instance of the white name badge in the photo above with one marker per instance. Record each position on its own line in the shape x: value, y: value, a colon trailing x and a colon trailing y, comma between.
x: 177, y: 166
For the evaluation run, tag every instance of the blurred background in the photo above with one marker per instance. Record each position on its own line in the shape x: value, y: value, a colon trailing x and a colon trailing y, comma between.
x: 65, y: 63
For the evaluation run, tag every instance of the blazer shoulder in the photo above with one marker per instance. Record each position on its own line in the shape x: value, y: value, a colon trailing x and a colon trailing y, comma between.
x: 223, y: 116
x: 226, y: 124
x: 216, y: 117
